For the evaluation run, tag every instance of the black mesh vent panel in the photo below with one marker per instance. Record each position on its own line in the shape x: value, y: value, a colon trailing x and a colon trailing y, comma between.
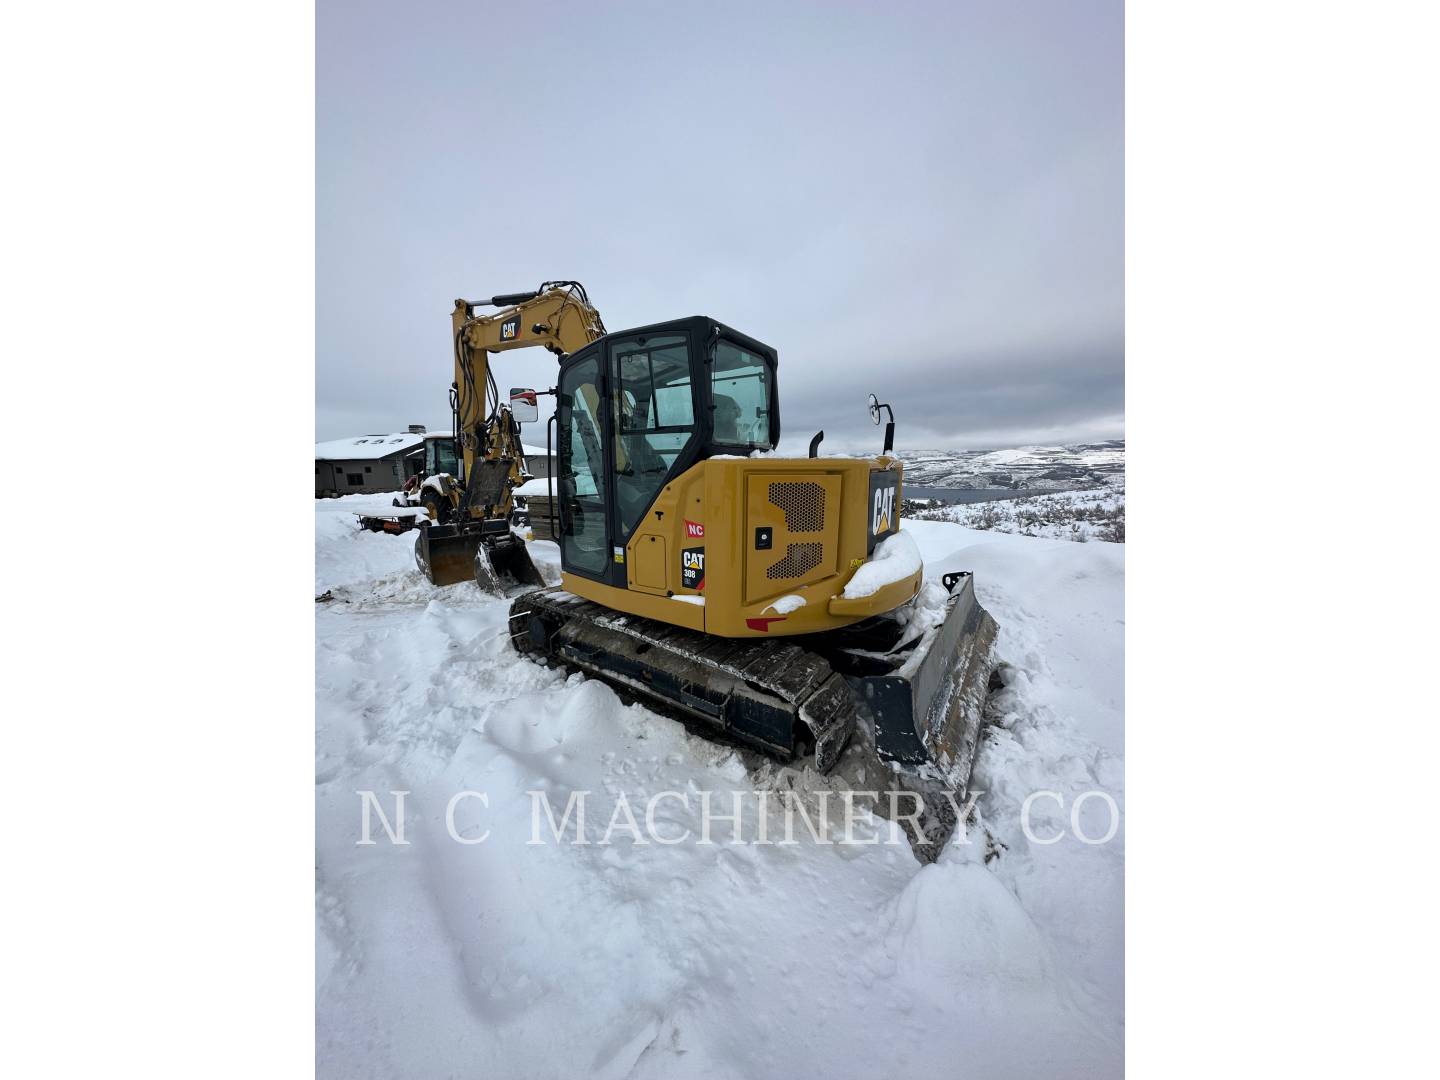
x: 799, y: 558
x: 803, y: 504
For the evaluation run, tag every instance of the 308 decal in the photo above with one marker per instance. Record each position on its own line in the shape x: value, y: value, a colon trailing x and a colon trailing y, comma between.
x: 692, y: 568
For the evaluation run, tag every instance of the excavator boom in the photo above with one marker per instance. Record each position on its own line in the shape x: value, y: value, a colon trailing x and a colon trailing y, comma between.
x: 472, y: 540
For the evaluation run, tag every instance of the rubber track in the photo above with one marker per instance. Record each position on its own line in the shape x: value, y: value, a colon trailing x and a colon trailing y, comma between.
x: 756, y: 690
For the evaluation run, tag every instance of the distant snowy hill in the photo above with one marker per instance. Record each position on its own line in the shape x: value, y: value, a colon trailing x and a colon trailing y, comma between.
x: 1026, y: 467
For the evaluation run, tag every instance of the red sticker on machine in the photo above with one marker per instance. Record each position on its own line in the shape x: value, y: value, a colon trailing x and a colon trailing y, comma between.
x: 694, y: 529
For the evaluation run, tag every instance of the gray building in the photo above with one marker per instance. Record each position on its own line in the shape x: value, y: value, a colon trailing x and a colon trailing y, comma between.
x: 368, y: 463
x: 537, y: 462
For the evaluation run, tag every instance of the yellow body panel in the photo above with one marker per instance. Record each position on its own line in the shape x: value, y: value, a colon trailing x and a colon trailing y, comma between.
x: 649, y: 568
x: 699, y: 540
x: 883, y: 599
x: 664, y: 608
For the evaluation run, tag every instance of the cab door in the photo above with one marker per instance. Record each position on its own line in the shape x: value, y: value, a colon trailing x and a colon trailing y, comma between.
x: 653, y: 420
x: 583, y: 483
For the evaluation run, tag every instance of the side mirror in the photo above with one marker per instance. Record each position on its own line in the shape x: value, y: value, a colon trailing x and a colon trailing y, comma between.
x: 523, y: 405
x: 875, y: 407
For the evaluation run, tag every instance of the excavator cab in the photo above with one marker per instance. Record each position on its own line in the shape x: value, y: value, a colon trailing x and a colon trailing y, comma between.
x: 635, y: 410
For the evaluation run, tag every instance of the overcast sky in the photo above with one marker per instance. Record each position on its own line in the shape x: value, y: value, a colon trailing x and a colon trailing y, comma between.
x: 920, y: 200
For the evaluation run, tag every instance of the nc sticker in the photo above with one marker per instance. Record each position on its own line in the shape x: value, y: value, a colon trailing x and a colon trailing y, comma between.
x: 692, y: 568
x: 694, y: 529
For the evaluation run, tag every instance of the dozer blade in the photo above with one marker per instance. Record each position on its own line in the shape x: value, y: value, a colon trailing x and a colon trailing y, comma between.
x: 446, y: 555
x: 877, y: 712
x: 926, y: 719
x: 928, y: 707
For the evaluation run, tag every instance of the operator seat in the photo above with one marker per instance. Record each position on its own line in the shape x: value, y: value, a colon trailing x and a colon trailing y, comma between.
x: 727, y: 420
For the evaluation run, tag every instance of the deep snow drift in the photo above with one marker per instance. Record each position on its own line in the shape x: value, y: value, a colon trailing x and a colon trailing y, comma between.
x: 504, y: 958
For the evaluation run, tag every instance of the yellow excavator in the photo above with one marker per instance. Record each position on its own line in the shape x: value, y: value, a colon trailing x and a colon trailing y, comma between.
x: 773, y: 599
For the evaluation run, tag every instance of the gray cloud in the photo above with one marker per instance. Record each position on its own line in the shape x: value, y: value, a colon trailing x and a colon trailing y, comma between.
x: 924, y: 200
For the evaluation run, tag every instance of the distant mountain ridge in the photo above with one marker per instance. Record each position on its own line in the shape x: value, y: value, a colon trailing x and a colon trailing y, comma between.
x: 1038, y: 468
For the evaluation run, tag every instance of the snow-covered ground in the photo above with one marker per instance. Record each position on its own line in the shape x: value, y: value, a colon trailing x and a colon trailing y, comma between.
x: 1082, y: 516
x: 504, y: 958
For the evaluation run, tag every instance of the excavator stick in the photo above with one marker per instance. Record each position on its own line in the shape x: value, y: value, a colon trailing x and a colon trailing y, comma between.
x: 493, y: 559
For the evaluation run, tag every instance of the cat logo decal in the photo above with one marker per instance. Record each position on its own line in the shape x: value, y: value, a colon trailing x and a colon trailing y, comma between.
x: 884, y: 506
x: 692, y: 569
x: 882, y: 511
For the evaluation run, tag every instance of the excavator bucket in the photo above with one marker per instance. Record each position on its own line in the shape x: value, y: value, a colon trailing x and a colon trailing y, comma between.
x: 505, y: 562
x: 494, y: 561
x: 445, y: 554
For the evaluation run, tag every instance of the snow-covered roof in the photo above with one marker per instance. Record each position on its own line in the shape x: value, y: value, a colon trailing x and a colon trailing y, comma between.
x: 372, y: 447
x: 367, y: 447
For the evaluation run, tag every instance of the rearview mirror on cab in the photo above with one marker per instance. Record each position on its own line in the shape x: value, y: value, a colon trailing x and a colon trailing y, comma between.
x: 523, y: 405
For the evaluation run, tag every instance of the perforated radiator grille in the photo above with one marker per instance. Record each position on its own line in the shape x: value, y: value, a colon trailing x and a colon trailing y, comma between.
x: 799, y: 559
x: 803, y: 504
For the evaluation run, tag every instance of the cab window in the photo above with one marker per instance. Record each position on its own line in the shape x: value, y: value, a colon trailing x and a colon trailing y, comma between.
x: 441, y: 454
x: 740, y: 383
x: 654, y: 418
